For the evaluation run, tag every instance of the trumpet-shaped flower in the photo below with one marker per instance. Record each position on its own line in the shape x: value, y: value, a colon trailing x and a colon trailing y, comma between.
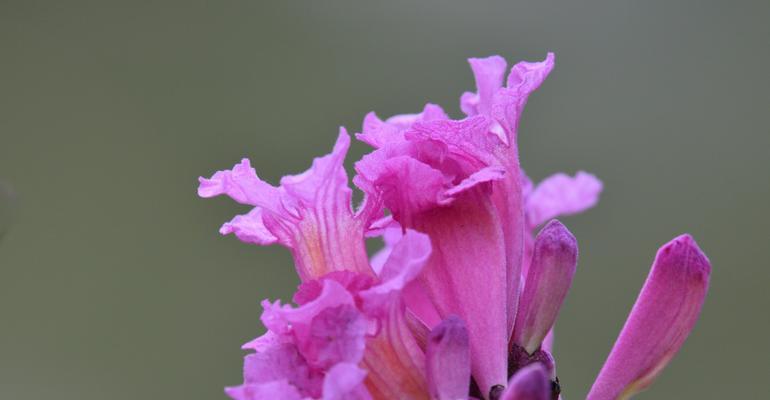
x: 461, y: 301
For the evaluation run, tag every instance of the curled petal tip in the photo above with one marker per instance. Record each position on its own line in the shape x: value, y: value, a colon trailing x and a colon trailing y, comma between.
x: 208, y: 187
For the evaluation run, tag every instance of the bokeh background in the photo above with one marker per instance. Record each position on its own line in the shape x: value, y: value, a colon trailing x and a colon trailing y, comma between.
x: 114, y: 283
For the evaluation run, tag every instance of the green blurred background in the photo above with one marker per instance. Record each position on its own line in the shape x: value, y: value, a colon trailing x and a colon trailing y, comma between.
x: 114, y: 283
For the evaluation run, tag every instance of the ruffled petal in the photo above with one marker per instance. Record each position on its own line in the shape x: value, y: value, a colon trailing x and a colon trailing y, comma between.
x: 406, y: 185
x: 327, y: 330
x: 414, y: 295
x: 282, y: 362
x: 508, y: 105
x: 309, y: 213
x: 436, y: 184
x: 378, y: 133
x: 530, y: 383
x: 262, y: 343
x: 351, y: 281
x: 284, y: 319
x: 489, y: 73
x: 458, y: 181
x: 662, y: 318
x: 484, y: 175
x: 448, y: 364
x: 337, y: 335
x: 548, y: 281
x: 249, y: 228
x: 242, y: 185
x: 405, y: 262
x: 264, y: 391
x: 560, y: 195
x: 345, y: 382
x: 431, y: 112
x: 469, y: 138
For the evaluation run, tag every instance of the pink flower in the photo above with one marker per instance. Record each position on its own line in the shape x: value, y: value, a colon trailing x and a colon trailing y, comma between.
x: 461, y: 301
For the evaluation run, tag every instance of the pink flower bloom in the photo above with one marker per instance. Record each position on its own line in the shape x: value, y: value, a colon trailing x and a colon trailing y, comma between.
x: 309, y: 213
x: 461, y: 301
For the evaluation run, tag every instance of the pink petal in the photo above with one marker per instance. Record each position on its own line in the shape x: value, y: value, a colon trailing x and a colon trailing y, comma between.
x: 394, y: 362
x: 390, y: 232
x: 430, y: 112
x: 448, y: 360
x: 418, y: 303
x: 469, y: 138
x: 377, y: 133
x: 407, y: 185
x: 242, y: 185
x: 507, y: 199
x: 530, y: 383
x: 414, y: 295
x: 310, y: 213
x: 526, y: 76
x: 393, y: 358
x: 403, y: 265
x: 489, y: 74
x: 466, y: 276
x: 484, y: 175
x: 264, y: 391
x: 249, y: 228
x: 439, y: 160
x: 284, y: 319
x: 262, y: 343
x: 509, y: 102
x: 281, y: 362
x: 345, y: 382
x: 560, y: 195
x: 438, y: 181
x: 548, y: 281
x: 469, y: 103
x: 327, y: 330
x: 336, y: 335
x: 381, y: 225
x: 662, y: 318
x: 351, y: 281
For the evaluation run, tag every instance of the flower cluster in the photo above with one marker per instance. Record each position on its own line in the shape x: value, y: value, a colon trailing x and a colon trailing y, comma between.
x: 461, y: 301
